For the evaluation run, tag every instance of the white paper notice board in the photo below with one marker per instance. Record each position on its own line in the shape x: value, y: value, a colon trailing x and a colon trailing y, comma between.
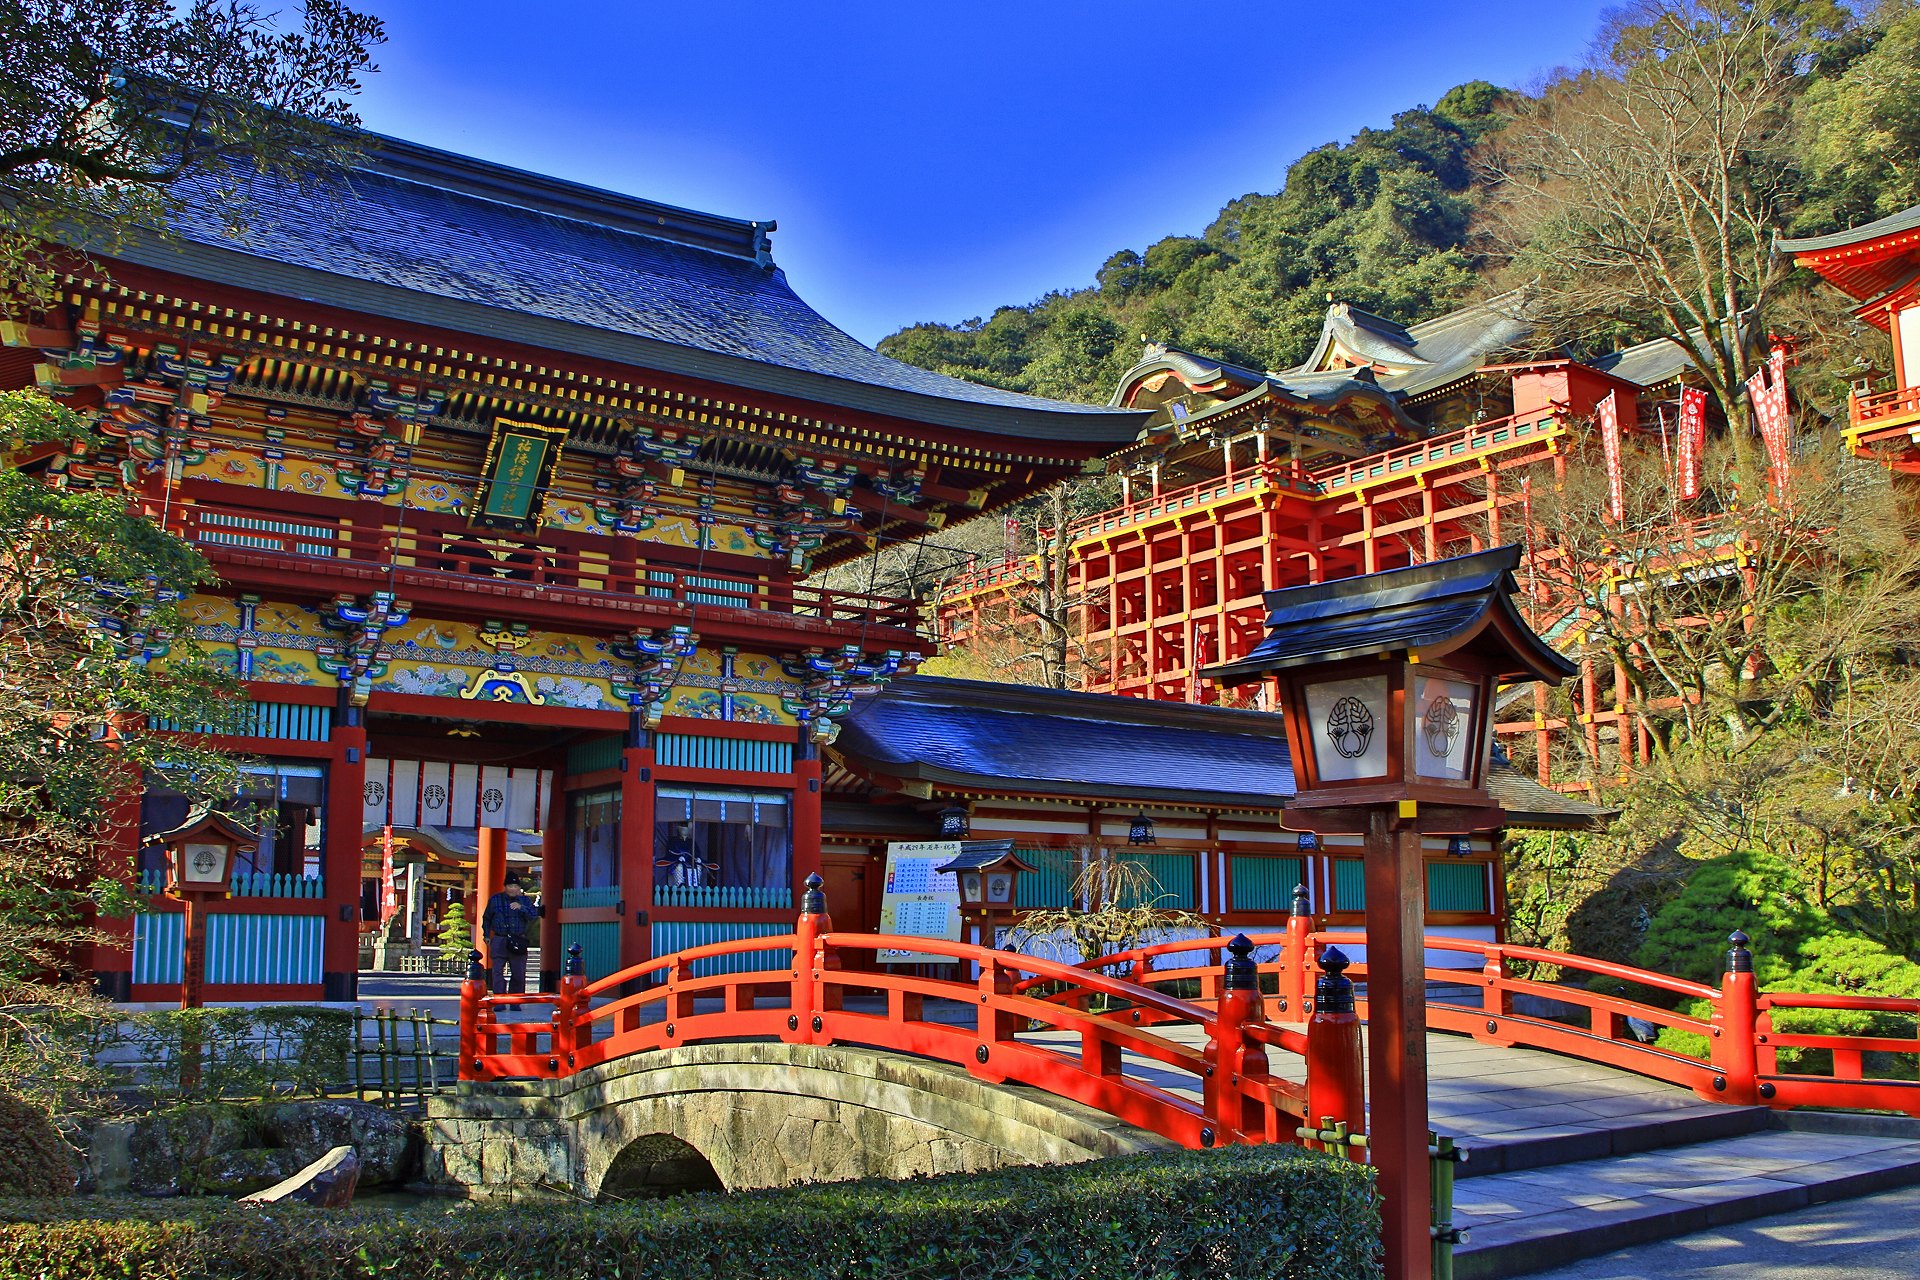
x: 917, y: 900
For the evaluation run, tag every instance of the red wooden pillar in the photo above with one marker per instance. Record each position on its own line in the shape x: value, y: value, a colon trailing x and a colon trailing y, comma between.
x: 346, y: 790
x: 1735, y: 1052
x: 1397, y: 1042
x: 110, y: 956
x: 553, y: 878
x: 490, y: 878
x: 636, y: 848
x: 1336, y: 1080
x: 806, y: 815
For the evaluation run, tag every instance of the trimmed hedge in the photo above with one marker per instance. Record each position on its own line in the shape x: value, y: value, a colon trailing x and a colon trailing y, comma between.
x: 34, y: 1159
x: 1245, y: 1211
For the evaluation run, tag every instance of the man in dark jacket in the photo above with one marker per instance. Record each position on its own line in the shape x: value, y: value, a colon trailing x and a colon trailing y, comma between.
x: 508, y: 924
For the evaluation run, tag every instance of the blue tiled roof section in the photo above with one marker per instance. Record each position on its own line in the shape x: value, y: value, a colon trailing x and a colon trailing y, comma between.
x: 457, y: 235
x: 970, y: 735
x: 1046, y: 740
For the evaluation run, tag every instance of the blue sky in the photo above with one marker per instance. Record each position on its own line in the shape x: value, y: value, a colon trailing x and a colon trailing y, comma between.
x: 931, y: 161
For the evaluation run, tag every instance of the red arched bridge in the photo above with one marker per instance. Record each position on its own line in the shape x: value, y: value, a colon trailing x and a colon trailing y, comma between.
x: 1085, y: 1032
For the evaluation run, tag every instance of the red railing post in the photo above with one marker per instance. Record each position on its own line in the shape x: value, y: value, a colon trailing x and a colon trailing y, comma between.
x: 566, y: 1013
x: 1233, y: 1115
x: 1293, y: 958
x: 805, y: 1024
x: 1497, y: 999
x: 993, y: 1026
x: 1734, y: 1051
x: 1336, y: 1080
x: 472, y: 990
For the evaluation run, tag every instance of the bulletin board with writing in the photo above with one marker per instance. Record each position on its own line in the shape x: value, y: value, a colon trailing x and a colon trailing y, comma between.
x: 917, y: 900
x: 520, y: 463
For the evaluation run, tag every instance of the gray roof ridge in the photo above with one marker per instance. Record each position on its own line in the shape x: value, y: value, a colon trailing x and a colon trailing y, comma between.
x: 575, y: 219
x: 1387, y: 323
x: 1891, y: 224
x: 1024, y: 699
x: 1463, y: 314
x: 443, y: 170
x: 174, y: 252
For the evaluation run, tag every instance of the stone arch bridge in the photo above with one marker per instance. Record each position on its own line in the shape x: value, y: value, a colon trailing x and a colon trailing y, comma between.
x: 747, y: 1115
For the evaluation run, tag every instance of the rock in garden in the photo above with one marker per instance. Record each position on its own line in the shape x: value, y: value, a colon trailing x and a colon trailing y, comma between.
x: 327, y: 1183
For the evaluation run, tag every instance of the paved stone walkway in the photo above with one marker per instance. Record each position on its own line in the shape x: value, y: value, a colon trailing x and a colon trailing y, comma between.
x: 1539, y: 1217
x: 1874, y: 1238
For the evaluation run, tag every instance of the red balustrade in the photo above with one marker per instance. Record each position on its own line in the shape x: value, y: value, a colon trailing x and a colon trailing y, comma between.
x: 1883, y: 407
x: 1741, y: 1042
x: 1081, y: 1031
x: 428, y: 556
x: 987, y: 1024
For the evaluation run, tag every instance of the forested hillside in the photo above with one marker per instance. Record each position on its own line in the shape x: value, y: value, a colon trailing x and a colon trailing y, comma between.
x: 1636, y: 197
x: 1395, y: 221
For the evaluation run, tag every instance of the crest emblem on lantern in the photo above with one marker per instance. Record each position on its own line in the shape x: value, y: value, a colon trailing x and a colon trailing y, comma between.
x: 1440, y: 722
x: 1350, y: 726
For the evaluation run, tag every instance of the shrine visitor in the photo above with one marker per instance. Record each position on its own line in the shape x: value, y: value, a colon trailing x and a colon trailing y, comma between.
x: 506, y: 923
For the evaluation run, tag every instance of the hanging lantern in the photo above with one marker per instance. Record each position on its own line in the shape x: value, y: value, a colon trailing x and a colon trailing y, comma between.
x: 1141, y: 832
x: 1387, y: 680
x: 987, y: 876
x: 1459, y: 847
x: 954, y: 823
x: 1307, y: 843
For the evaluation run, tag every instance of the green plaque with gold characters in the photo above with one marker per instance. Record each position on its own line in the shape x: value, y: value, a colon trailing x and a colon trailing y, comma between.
x: 521, y: 458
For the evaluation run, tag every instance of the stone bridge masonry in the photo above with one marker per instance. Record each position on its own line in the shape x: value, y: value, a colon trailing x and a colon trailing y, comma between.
x: 748, y: 1115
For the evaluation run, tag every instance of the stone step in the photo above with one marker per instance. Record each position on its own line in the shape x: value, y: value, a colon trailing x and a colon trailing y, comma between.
x: 1539, y: 1148
x: 1530, y: 1219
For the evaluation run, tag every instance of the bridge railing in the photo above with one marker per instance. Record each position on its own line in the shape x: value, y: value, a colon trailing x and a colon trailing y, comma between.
x: 1740, y: 1039
x: 1117, y: 1065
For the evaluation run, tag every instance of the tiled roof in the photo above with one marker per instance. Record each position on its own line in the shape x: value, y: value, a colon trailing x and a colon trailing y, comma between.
x: 1399, y: 609
x: 430, y: 237
x: 1892, y: 225
x: 1420, y: 357
x: 974, y: 735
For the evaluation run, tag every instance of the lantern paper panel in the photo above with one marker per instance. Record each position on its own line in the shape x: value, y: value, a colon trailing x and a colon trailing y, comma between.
x: 1443, y: 737
x: 1349, y: 724
x: 203, y: 863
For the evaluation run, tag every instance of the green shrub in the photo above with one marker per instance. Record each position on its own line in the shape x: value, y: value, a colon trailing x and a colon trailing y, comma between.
x: 456, y: 933
x: 245, y: 1053
x: 1245, y: 1211
x: 1749, y: 891
x: 34, y: 1159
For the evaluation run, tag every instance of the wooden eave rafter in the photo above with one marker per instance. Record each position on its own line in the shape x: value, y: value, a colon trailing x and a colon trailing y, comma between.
x: 1856, y: 269
x: 288, y: 329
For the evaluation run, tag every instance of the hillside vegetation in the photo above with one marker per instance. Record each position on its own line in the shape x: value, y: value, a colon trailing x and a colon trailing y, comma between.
x: 1635, y: 197
x: 1394, y: 220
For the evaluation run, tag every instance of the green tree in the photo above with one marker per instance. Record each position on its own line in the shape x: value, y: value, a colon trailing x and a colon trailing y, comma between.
x: 1641, y: 195
x: 456, y: 933
x: 89, y: 616
x: 107, y: 107
x: 1748, y: 891
x: 1859, y: 127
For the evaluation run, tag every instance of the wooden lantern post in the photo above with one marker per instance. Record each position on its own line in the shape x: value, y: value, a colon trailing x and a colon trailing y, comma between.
x: 987, y: 873
x: 1387, y: 684
x: 200, y: 857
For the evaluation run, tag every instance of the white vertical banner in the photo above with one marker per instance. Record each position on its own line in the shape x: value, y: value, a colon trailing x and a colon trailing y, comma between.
x: 464, y: 810
x: 436, y: 793
x: 522, y: 787
x: 404, y: 794
x: 376, y: 796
